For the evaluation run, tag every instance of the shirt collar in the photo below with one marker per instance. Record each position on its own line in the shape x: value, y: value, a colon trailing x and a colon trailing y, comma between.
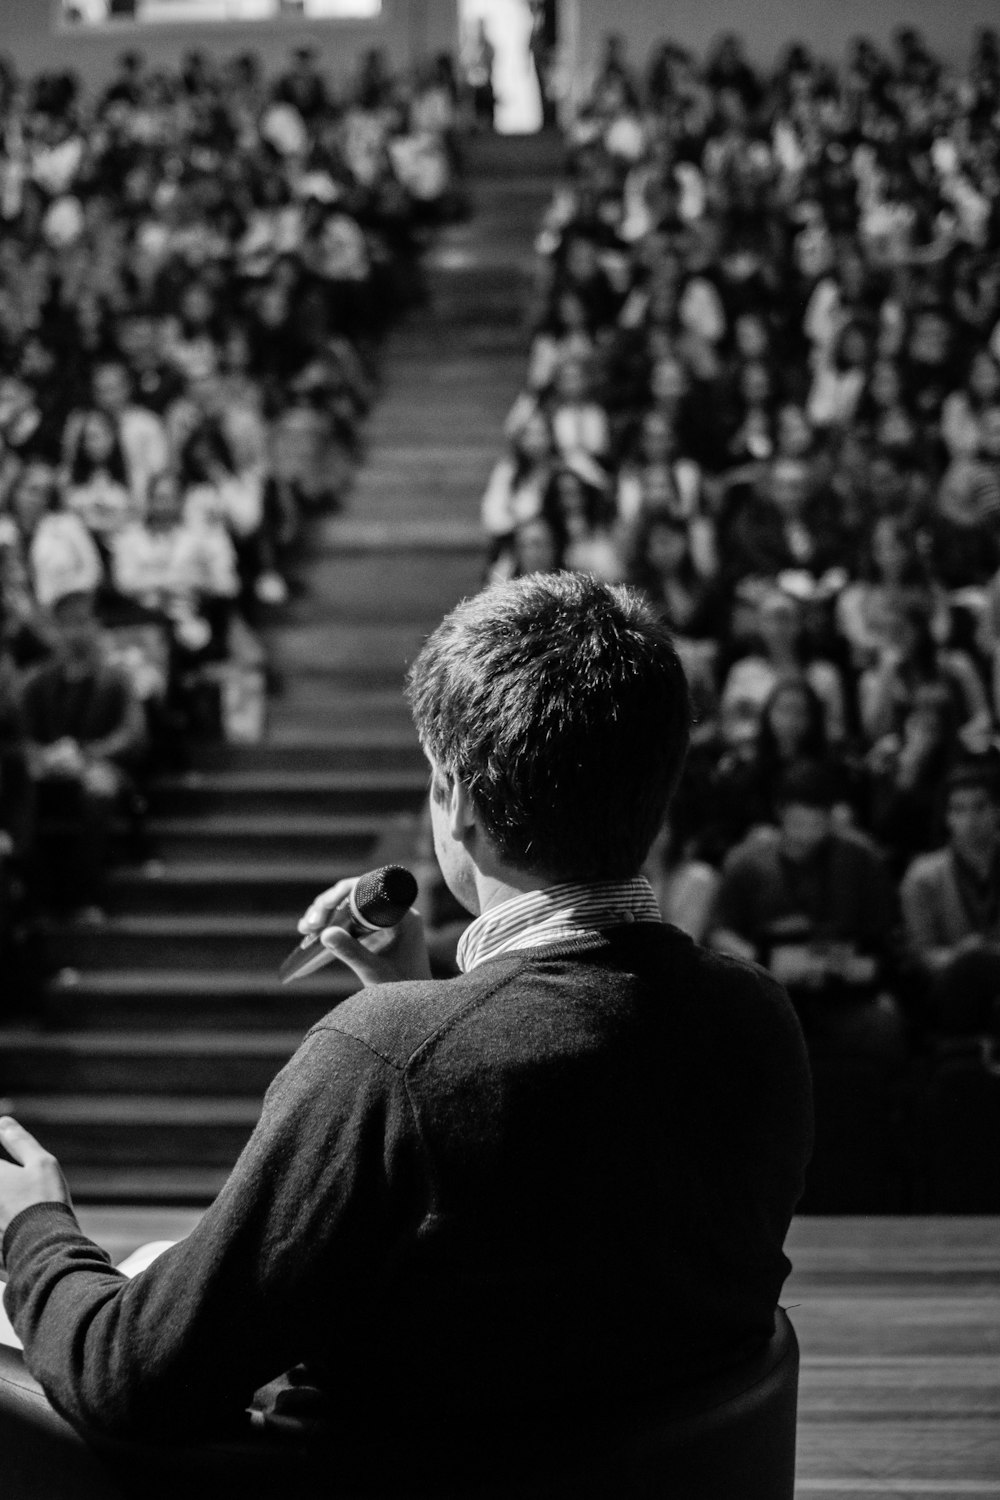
x: 558, y: 914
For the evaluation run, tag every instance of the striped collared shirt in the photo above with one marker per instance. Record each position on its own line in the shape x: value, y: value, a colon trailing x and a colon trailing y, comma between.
x: 558, y: 914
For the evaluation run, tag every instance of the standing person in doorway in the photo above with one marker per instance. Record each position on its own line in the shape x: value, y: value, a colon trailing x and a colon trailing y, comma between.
x: 544, y: 42
x: 479, y: 77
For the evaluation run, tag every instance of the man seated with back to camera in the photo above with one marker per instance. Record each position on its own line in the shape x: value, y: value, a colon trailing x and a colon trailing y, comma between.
x: 489, y: 1215
x: 814, y: 902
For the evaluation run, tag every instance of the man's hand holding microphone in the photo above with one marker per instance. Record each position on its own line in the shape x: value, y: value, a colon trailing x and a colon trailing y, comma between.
x: 369, y: 924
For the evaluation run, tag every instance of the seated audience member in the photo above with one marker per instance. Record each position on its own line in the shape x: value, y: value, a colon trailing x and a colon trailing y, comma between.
x: 181, y: 568
x: 579, y: 421
x: 660, y: 558
x: 53, y: 544
x: 84, y: 730
x: 903, y: 775
x: 536, y: 545
x: 964, y: 525
x: 140, y: 336
x: 576, y: 499
x: 671, y: 393
x: 909, y: 658
x: 583, y: 269
x: 962, y: 413
x: 779, y: 648
x: 657, y: 557
x: 140, y: 433
x: 192, y: 335
x: 882, y: 410
x: 951, y: 905
x: 752, y: 420
x: 986, y: 636
x: 26, y: 631
x: 748, y: 776
x: 780, y: 522
x: 311, y: 442
x: 838, y: 384
x: 656, y: 476
x: 518, y: 483
x: 893, y: 574
x: 564, y: 333
x: 684, y: 885
x: 215, y: 492
x: 97, y: 481
x: 814, y: 903
x: 227, y: 404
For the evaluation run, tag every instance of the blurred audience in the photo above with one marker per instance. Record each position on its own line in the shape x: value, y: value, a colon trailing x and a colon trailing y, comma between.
x: 196, y: 270
x: 766, y: 349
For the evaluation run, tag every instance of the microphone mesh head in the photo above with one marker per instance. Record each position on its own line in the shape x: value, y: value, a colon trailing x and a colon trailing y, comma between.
x: 384, y: 896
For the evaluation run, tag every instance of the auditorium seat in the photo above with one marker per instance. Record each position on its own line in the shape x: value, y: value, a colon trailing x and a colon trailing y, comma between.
x: 733, y: 1436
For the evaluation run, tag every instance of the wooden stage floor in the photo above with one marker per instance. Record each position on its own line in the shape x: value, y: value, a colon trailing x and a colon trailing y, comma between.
x: 899, y: 1326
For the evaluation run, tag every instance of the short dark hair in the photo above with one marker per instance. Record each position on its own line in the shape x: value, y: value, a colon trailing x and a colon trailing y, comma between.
x: 562, y: 705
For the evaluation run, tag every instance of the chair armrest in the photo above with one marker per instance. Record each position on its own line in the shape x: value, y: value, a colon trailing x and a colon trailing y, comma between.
x: 40, y: 1450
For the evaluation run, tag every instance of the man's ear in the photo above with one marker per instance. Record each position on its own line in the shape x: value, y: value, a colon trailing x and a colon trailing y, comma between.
x: 461, y: 811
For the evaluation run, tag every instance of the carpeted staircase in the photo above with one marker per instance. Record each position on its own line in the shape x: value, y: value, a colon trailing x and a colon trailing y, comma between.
x: 161, y: 1028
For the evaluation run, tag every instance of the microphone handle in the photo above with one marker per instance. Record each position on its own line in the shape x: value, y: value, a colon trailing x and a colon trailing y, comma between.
x: 311, y: 956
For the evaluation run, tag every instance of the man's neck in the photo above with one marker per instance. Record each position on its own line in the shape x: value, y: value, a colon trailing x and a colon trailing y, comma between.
x: 494, y: 889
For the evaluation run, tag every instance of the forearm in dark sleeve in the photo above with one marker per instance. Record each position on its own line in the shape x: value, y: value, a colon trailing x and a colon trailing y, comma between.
x: 180, y: 1349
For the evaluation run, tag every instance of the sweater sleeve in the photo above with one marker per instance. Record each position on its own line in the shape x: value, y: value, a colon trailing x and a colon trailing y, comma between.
x: 312, y: 1209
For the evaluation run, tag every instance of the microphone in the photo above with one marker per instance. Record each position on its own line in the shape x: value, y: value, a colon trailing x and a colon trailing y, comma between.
x: 379, y: 900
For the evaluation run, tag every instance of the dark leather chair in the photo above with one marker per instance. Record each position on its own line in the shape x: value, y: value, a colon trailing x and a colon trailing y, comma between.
x: 732, y: 1436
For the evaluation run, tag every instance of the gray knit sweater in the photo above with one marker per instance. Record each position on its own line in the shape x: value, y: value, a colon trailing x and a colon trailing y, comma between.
x: 558, y: 1182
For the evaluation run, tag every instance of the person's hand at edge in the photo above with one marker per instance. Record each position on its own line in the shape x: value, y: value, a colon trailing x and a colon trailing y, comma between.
x: 382, y: 957
x: 34, y: 1175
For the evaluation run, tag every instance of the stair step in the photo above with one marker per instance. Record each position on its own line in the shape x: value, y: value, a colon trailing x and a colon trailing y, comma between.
x: 221, y: 943
x: 456, y: 374
x: 137, y: 1128
x: 299, y: 719
x: 33, y: 1062
x: 237, y: 887
x: 505, y: 343
x: 324, y: 794
x: 380, y: 708
x: 361, y: 654
x: 350, y: 678
x: 175, y: 1000
x: 348, y: 537
x: 324, y: 689
x: 289, y: 750
x: 108, y: 1183
x: 349, y: 841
